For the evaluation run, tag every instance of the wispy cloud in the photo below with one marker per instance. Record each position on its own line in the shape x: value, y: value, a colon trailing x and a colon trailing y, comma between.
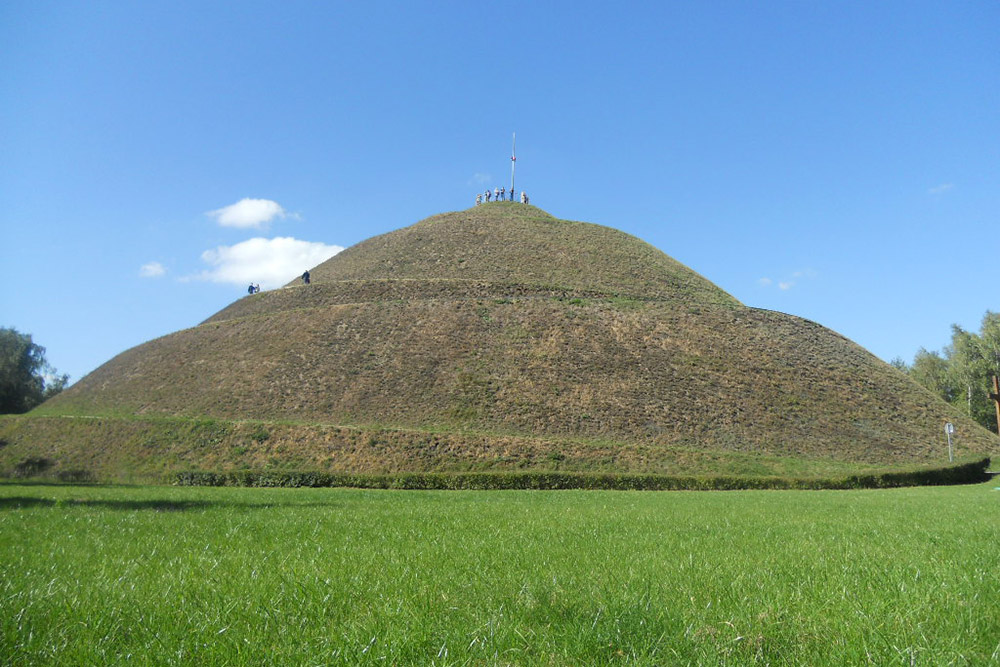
x: 788, y: 282
x: 152, y: 270
x: 941, y: 189
x: 480, y: 179
x: 249, y: 213
x: 270, y: 262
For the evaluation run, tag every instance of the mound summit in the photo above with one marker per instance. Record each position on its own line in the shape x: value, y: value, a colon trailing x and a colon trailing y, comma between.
x: 496, y: 338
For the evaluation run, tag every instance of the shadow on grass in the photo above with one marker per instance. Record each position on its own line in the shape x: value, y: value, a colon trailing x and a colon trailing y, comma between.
x: 22, y: 502
x: 26, y: 502
x: 62, y: 485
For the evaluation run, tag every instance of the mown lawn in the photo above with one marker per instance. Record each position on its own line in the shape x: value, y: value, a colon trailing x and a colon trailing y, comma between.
x: 231, y: 576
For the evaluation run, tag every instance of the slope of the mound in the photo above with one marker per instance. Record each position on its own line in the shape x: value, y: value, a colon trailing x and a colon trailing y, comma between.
x: 503, y: 338
x: 709, y: 377
x: 512, y: 243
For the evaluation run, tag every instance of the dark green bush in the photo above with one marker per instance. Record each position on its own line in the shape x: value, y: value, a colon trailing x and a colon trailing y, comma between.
x: 260, y: 434
x: 32, y: 467
x: 76, y: 476
x: 968, y: 473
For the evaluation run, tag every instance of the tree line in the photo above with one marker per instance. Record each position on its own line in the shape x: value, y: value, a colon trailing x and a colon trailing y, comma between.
x: 26, y: 378
x: 962, y: 372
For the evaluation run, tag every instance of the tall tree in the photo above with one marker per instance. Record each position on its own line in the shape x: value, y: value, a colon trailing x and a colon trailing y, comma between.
x: 934, y: 372
x: 26, y: 378
x: 989, y: 335
x: 962, y: 374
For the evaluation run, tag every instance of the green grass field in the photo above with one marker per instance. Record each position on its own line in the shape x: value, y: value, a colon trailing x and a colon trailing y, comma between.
x: 233, y: 576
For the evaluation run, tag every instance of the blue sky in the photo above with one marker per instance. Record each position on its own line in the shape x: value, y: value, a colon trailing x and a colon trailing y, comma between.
x: 837, y: 161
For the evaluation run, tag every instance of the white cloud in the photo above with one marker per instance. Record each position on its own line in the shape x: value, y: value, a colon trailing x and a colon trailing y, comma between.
x: 480, y: 179
x: 790, y: 281
x: 941, y: 189
x: 270, y: 262
x: 245, y: 213
x: 152, y: 270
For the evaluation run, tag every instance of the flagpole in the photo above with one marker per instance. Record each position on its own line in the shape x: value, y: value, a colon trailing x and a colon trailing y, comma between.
x: 513, y: 163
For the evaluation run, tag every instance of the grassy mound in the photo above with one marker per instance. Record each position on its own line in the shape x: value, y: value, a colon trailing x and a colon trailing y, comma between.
x: 501, y: 337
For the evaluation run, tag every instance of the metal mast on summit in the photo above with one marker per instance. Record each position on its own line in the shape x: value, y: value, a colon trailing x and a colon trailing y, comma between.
x: 513, y: 163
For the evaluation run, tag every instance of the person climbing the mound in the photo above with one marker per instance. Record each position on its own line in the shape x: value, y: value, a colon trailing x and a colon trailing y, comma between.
x: 305, y: 277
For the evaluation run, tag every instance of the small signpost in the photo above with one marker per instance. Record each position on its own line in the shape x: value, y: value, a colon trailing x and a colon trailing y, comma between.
x: 949, y: 428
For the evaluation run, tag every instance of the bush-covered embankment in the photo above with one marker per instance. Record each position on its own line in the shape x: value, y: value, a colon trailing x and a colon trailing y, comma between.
x: 966, y: 473
x: 152, y: 450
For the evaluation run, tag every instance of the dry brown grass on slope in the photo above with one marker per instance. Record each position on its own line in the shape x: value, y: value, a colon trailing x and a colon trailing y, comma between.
x: 667, y: 375
x: 148, y: 450
x: 513, y: 243
x: 343, y: 292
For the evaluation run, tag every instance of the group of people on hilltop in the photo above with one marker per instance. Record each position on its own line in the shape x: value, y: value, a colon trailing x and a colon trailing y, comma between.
x: 499, y: 194
x: 255, y: 287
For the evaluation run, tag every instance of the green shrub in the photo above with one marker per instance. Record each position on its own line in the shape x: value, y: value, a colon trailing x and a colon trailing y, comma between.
x: 32, y: 467
x: 260, y: 434
x: 967, y: 473
x: 76, y: 476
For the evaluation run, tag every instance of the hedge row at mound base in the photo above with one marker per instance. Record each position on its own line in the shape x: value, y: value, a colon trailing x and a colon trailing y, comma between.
x: 967, y: 473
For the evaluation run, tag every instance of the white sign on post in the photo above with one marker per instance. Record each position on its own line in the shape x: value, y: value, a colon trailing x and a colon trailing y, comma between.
x: 949, y: 429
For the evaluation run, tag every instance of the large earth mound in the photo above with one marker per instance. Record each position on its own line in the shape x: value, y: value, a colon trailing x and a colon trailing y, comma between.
x: 496, y: 338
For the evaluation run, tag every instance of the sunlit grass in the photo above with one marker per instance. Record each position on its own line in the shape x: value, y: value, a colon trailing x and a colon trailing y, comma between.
x: 153, y: 575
